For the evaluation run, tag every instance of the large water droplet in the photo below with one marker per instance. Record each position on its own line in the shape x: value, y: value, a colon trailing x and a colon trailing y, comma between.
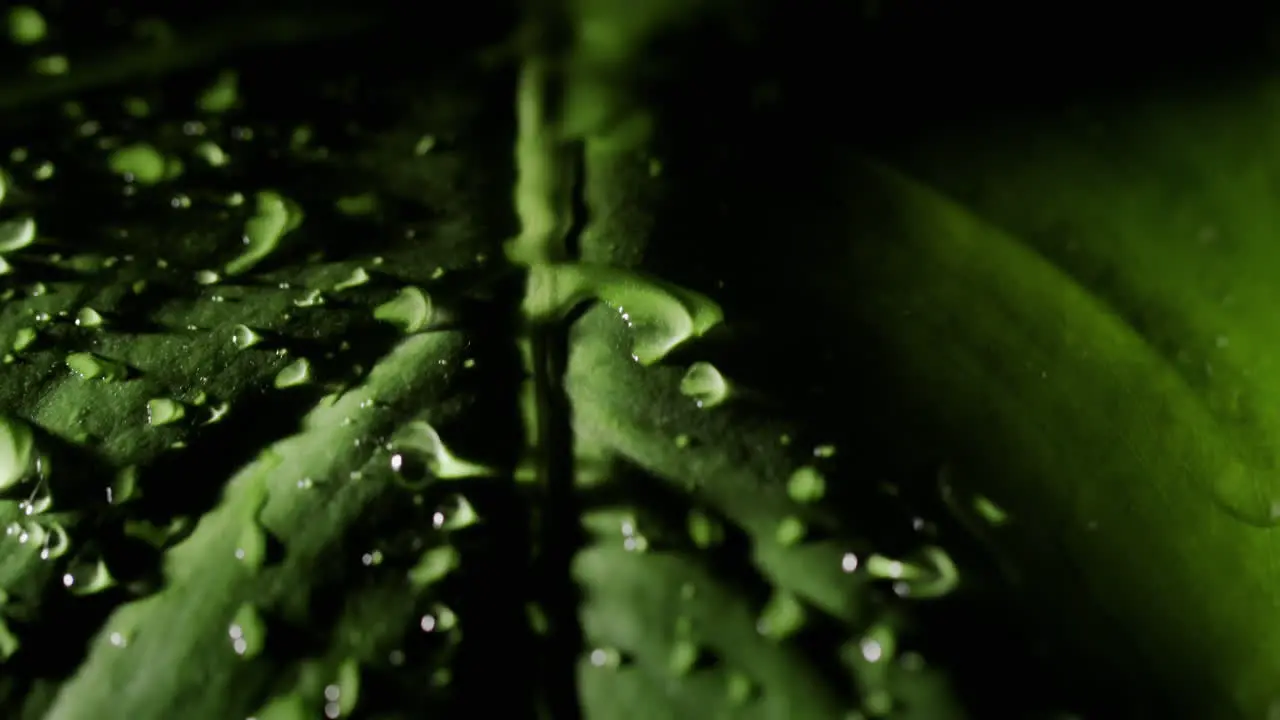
x: 89, y: 367
x: 782, y: 616
x: 934, y: 575
x: 410, y: 310
x: 806, y: 485
x: 244, y: 337
x: 17, y: 234
x: 162, y: 411
x: 340, y: 696
x: 434, y: 565
x: 87, y: 317
x: 420, y: 438
x: 86, y: 577
x: 247, y: 632
x: 454, y: 513
x: 26, y: 25
x: 141, y: 162
x: 251, y: 547
x: 276, y: 216
x: 56, y: 541
x: 663, y: 315
x: 295, y: 373
x: 357, y: 278
x: 17, y: 451
x: 704, y: 383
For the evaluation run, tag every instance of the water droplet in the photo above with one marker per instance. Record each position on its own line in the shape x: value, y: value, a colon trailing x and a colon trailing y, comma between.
x: 276, y: 216
x: 740, y: 689
x: 89, y: 366
x: 663, y: 315
x: 207, y: 277
x: 632, y: 539
x: 434, y: 565
x: 683, y: 658
x: 87, y: 577
x: 243, y: 337
x: 934, y: 575
x: 421, y: 439
x: 23, y: 338
x: 791, y: 530
x: 610, y: 658
x: 410, y: 310
x: 311, y: 298
x: 251, y: 548
x: 26, y: 25
x: 357, y: 205
x: 781, y: 617
x: 17, y: 234
x: 295, y: 373
x: 341, y: 696
x: 704, y: 383
x: 162, y: 411
x: 140, y: 163
x: 17, y: 451
x: 705, y: 531
x: 87, y: 317
x: 247, y: 631
x: 848, y: 562
x: 56, y: 541
x: 806, y: 485
x: 357, y: 278
x: 989, y: 511
x: 221, y: 96
x: 124, y: 487
x: 424, y: 145
x: 9, y: 643
x: 454, y: 513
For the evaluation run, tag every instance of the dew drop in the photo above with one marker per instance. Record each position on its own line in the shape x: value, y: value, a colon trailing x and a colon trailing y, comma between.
x: 410, y: 310
x: 221, y: 96
x: 740, y: 688
x: 56, y: 542
x: 26, y: 25
x: 17, y: 451
x: 662, y: 315
x: 140, y: 162
x: 683, y: 658
x: 434, y: 565
x: 806, y: 485
x: 608, y: 658
x: 420, y: 438
x: 294, y: 374
x: 247, y: 632
x: 251, y: 547
x: 934, y: 575
x: 162, y: 411
x: 790, y: 531
x: 23, y: 338
x: 87, y: 317
x: 17, y: 234
x: 705, y: 385
x: 781, y: 617
x: 207, y: 277
x: 311, y: 298
x: 704, y: 530
x: 357, y: 278
x: 275, y: 217
x: 87, y: 577
x: 454, y: 513
x: 342, y: 695
x: 243, y: 337
x: 9, y: 643
x: 124, y: 487
x: 90, y: 367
